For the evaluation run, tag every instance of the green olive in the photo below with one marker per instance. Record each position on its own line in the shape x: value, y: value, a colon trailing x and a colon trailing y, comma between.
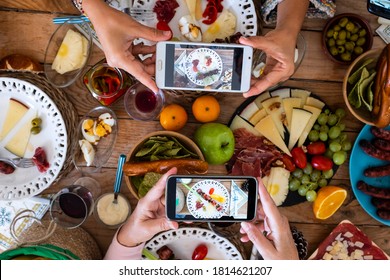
x: 346, y: 56
x: 340, y: 42
x: 331, y: 42
x: 349, y: 46
x: 354, y: 37
x: 335, y: 35
x: 361, y: 41
x: 350, y: 27
x: 348, y: 35
x: 342, y: 34
x: 341, y: 49
x: 343, y: 22
x: 337, y: 28
x: 358, y: 50
x: 355, y: 30
x: 329, y: 34
x: 36, y: 122
x: 362, y: 32
x: 334, y: 51
x: 35, y: 129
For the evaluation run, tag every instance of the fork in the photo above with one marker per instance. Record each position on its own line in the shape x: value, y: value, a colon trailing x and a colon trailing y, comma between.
x: 141, y: 14
x: 19, y: 162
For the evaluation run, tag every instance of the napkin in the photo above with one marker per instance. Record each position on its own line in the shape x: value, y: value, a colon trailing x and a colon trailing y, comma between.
x: 237, y: 199
x: 317, y: 9
x: 9, y: 209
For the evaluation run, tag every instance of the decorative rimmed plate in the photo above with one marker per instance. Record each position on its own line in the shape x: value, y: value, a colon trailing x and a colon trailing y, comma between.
x: 244, y: 10
x: 207, y: 210
x: 203, y: 66
x: 24, y: 183
x: 358, y: 162
x: 183, y: 242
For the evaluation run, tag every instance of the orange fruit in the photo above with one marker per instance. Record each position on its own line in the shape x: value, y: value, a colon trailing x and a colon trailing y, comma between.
x: 328, y: 201
x: 206, y: 108
x: 173, y: 117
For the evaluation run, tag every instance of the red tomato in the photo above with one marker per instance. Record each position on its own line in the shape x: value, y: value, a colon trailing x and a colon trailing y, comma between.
x: 162, y: 25
x: 211, y: 191
x: 321, y: 163
x: 316, y: 148
x: 200, y: 252
x: 299, y: 157
x: 288, y: 162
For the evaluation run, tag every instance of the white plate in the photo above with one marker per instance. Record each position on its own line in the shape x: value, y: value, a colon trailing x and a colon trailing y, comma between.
x: 183, y: 242
x: 208, y: 60
x: 244, y: 10
x: 208, y: 211
x: 27, y: 182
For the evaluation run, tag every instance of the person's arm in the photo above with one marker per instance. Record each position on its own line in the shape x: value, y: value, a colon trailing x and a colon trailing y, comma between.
x: 279, y: 45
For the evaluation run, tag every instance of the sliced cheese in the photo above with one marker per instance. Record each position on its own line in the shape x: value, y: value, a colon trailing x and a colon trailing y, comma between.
x: 191, y: 5
x: 249, y: 111
x: 288, y: 105
x: 18, y: 143
x: 258, y: 116
x: 301, y: 93
x: 277, y: 185
x: 268, y: 129
x: 299, y: 120
x: 311, y: 101
x: 239, y: 122
x: 274, y: 108
x: 282, y: 93
x: 315, y: 113
x: 16, y: 110
x: 198, y: 10
x: 265, y: 95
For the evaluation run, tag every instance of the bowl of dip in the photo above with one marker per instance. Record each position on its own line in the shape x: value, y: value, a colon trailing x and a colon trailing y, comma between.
x: 110, y: 214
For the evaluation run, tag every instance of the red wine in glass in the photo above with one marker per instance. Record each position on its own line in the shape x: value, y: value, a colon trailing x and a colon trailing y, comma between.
x: 72, y: 205
x: 145, y: 101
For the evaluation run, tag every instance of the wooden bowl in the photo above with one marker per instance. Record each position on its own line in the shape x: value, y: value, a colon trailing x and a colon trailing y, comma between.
x: 362, y: 113
x: 358, y: 21
x: 184, y: 140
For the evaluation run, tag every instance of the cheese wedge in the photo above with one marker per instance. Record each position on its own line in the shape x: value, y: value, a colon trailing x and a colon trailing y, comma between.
x: 315, y: 113
x: 273, y: 106
x: 299, y: 120
x: 258, y: 116
x: 223, y: 27
x: 311, y: 101
x: 18, y: 143
x: 16, y: 111
x: 268, y: 129
x: 249, y: 111
x: 198, y: 10
x: 277, y: 185
x: 263, y: 96
x: 239, y: 122
x: 282, y: 93
x: 191, y: 5
x: 288, y: 105
x: 301, y: 93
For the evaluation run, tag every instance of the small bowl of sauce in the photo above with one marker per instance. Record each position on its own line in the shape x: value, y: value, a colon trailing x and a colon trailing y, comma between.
x: 110, y: 214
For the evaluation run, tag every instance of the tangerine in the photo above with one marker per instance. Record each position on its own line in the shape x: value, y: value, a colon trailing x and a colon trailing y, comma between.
x: 173, y: 117
x: 328, y: 201
x: 206, y: 108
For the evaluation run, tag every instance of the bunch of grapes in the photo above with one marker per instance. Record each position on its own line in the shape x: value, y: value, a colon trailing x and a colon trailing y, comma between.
x: 329, y: 129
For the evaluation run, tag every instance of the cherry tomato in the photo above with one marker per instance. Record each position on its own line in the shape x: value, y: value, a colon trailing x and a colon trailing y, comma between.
x: 211, y: 191
x: 162, y: 25
x: 299, y: 157
x: 316, y: 148
x: 321, y: 163
x: 200, y: 252
x: 288, y: 162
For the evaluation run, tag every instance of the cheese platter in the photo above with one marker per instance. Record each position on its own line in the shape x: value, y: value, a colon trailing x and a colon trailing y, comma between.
x: 288, y: 132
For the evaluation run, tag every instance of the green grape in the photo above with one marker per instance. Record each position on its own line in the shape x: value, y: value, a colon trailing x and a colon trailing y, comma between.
x: 346, y: 146
x: 327, y: 174
x: 323, y: 136
x: 343, y: 136
x: 312, y: 186
x: 297, y: 173
x: 294, y: 184
x: 308, y: 169
x: 332, y: 119
x: 335, y: 146
x: 327, y: 111
x: 315, y: 175
x: 328, y: 153
x: 322, y: 119
x: 316, y: 127
x: 334, y: 132
x: 313, y: 135
x: 324, y: 128
x: 340, y: 113
x: 342, y: 126
x: 311, y: 195
x: 322, y: 182
x: 302, y: 190
x: 339, y: 157
x: 305, y: 179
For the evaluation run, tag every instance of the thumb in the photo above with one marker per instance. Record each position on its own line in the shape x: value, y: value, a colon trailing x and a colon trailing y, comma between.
x: 257, y: 42
x: 161, y: 224
x: 152, y: 34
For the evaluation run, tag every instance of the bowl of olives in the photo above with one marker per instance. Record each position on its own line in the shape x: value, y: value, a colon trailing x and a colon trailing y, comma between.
x: 345, y: 37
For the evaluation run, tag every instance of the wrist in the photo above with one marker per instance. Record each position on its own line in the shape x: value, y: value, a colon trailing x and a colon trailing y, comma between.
x: 124, y: 237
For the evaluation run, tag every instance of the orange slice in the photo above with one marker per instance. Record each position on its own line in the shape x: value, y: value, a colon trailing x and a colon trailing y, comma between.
x: 328, y: 201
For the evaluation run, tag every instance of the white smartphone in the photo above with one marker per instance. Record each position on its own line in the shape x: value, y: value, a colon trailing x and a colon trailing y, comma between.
x: 203, y: 66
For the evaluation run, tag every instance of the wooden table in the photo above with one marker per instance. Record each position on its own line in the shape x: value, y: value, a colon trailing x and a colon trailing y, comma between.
x: 26, y: 26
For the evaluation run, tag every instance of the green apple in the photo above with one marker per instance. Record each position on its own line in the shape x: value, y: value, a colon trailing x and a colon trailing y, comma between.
x: 216, y: 141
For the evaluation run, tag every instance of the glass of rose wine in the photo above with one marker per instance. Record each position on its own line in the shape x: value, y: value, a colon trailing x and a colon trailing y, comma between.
x: 143, y: 104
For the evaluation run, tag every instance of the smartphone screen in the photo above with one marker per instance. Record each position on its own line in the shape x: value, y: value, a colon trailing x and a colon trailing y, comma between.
x: 207, y: 67
x: 190, y: 198
x: 379, y: 7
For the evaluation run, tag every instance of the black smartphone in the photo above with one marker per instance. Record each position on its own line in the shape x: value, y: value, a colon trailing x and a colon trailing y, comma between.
x: 379, y: 7
x: 211, y: 198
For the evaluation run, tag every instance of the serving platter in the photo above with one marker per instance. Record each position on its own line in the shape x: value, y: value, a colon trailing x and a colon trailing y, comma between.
x: 28, y: 182
x: 359, y: 161
x: 183, y: 241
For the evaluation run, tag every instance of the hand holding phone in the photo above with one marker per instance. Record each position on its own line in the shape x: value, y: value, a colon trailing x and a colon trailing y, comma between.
x: 211, y: 198
x: 203, y: 66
